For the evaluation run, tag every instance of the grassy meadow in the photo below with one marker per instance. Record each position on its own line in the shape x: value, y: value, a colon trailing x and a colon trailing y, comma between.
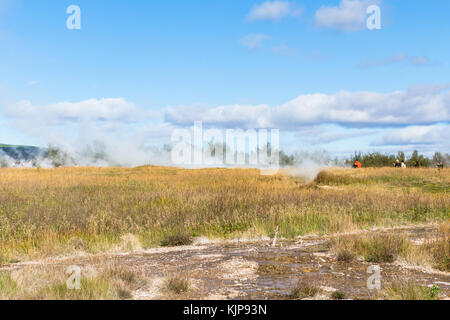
x: 62, y: 211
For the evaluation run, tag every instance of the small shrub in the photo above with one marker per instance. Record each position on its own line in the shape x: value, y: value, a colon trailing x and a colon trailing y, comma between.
x: 177, y: 240
x: 345, y: 255
x: 304, y: 289
x: 434, y: 291
x: 177, y: 285
x: 338, y: 295
x: 124, y: 294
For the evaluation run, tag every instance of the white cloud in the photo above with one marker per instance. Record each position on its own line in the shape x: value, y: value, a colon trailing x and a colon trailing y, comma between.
x: 399, y: 58
x: 349, y: 15
x: 106, y: 109
x: 254, y: 41
x: 418, y: 105
x: 223, y: 116
x: 416, y: 135
x: 274, y: 10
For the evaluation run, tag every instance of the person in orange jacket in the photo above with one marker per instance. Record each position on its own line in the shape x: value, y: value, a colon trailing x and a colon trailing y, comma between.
x: 357, y: 165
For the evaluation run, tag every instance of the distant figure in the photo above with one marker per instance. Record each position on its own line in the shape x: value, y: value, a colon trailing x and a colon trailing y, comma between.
x: 397, y: 164
x: 403, y: 165
x: 357, y: 165
x: 440, y: 165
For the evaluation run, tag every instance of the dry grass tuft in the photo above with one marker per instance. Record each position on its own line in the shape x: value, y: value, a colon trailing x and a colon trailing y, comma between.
x: 379, y: 249
x: 386, y: 248
x: 176, y: 240
x: 8, y: 287
x: 176, y: 285
x: 345, y: 255
x: 409, y: 291
x: 374, y: 248
x: 50, y: 284
x: 305, y: 289
x: 440, y: 248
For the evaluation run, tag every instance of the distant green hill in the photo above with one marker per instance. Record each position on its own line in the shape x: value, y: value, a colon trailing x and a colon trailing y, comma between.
x: 7, y: 146
x: 14, y: 146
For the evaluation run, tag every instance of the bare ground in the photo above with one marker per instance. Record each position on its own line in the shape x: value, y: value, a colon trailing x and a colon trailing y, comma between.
x: 252, y: 269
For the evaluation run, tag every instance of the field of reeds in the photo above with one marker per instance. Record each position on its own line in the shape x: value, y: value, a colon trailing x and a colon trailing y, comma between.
x: 63, y: 211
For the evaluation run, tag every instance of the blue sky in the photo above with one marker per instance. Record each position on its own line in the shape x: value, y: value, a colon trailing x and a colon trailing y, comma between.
x: 136, y: 70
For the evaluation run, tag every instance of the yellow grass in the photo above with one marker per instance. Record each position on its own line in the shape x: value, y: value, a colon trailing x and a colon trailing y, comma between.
x: 61, y: 211
x: 32, y: 283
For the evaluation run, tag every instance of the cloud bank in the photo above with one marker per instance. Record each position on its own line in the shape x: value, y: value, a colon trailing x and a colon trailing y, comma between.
x: 416, y: 106
x: 418, y: 116
x: 416, y: 135
x: 106, y: 109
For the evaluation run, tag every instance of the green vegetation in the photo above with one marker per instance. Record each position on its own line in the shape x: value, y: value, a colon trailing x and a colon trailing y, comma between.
x: 65, y: 210
x: 374, y: 248
x: 386, y: 248
x: 416, y: 160
x: 379, y: 249
x: 8, y: 146
x: 338, y: 295
x: 419, y: 179
x: 409, y: 291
